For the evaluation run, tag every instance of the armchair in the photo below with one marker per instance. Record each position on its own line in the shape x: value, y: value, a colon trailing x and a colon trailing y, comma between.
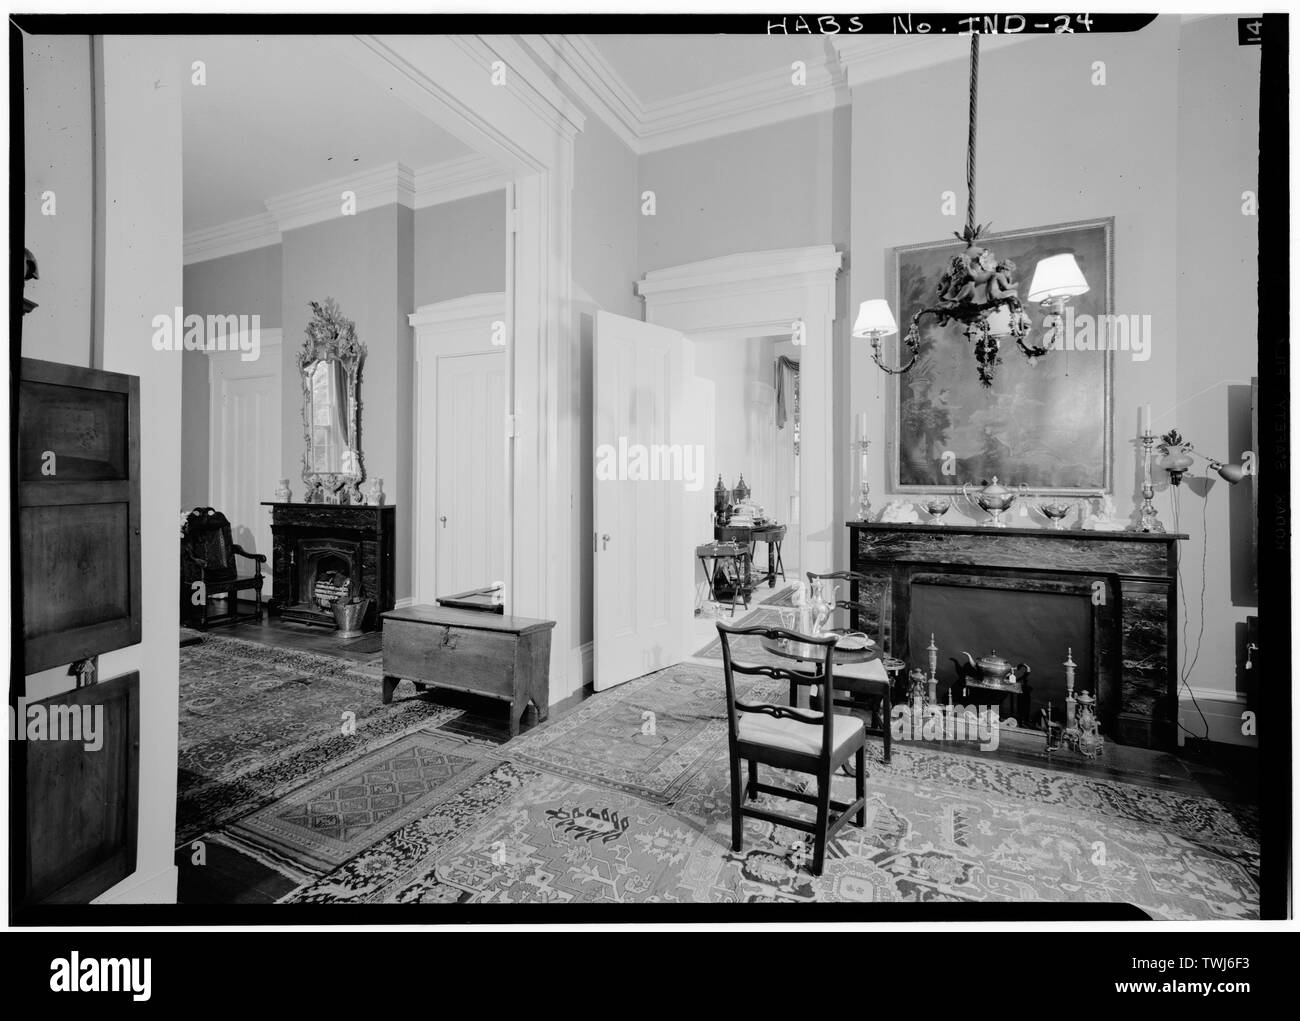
x: 208, y: 569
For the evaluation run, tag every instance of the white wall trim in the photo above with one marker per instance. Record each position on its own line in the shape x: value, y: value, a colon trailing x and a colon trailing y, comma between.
x: 757, y: 294
x: 457, y: 179
x: 582, y: 69
x: 873, y: 58
x: 381, y: 186
x: 441, y: 316
x: 1186, y: 695
x: 733, y: 276
x: 155, y: 888
x: 231, y: 238
x: 741, y: 104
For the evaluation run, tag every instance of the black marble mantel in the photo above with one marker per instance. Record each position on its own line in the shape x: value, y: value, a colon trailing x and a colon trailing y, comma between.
x: 1135, y: 648
x: 296, y: 526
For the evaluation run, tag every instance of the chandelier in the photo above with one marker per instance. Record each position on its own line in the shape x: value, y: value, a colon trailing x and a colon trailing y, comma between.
x: 977, y: 289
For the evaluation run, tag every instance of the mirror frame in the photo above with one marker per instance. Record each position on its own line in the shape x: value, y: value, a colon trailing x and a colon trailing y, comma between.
x: 332, y: 337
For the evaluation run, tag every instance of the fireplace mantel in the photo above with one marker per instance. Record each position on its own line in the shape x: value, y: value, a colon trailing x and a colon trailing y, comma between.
x: 361, y: 533
x: 1134, y: 620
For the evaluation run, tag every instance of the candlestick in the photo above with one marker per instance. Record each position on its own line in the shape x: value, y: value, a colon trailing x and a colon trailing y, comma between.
x: 1146, y: 418
x: 864, y: 488
x: 933, y: 650
x: 1069, y: 688
x: 1150, y: 522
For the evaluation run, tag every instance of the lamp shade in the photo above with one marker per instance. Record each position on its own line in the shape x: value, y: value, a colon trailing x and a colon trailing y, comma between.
x: 1057, y: 276
x: 874, y: 319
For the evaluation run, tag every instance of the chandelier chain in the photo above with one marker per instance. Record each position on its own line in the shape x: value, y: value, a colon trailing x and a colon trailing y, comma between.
x: 970, y: 138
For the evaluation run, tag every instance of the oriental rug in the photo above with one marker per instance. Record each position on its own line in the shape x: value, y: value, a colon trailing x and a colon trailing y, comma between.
x: 748, y: 650
x: 649, y: 736
x: 323, y: 823
x: 257, y: 721
x: 520, y: 835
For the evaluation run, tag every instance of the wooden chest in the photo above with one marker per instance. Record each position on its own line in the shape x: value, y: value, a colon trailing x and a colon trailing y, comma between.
x: 503, y: 657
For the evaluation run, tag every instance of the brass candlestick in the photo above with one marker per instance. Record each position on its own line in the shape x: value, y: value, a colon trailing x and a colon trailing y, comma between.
x: 864, y: 487
x: 1147, y: 513
x: 1069, y: 688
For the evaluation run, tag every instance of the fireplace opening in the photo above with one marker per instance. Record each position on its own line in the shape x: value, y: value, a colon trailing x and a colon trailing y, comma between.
x: 1031, y: 627
x: 327, y: 572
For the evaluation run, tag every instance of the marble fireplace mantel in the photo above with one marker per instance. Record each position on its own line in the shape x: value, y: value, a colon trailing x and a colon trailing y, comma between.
x: 359, y: 537
x: 1134, y: 618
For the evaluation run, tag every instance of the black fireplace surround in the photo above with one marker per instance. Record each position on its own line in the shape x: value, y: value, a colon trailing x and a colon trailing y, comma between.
x: 1117, y: 593
x: 323, y: 551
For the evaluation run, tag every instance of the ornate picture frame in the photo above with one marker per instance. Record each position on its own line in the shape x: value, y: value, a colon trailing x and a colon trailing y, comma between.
x: 1047, y: 424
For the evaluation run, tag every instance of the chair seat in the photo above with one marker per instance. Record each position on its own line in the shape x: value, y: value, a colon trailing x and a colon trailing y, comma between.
x: 792, y: 735
x: 871, y: 670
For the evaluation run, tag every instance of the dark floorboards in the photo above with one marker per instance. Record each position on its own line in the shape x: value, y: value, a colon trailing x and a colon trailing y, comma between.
x: 222, y: 875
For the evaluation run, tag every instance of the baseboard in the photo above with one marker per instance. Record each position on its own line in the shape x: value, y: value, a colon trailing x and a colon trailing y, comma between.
x: 578, y: 673
x: 158, y: 888
x: 405, y: 603
x: 1224, y: 713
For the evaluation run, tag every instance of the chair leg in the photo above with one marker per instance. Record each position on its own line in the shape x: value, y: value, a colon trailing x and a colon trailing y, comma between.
x: 753, y: 780
x: 737, y: 819
x: 887, y: 713
x: 862, y: 785
x: 823, y: 820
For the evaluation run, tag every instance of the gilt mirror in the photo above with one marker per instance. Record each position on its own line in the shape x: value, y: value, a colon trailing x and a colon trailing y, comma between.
x: 330, y: 363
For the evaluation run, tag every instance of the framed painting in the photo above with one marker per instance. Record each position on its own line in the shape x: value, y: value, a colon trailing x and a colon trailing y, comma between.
x: 1045, y: 424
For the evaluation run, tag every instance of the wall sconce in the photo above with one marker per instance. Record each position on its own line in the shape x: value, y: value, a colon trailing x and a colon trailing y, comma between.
x: 1057, y: 279
x: 875, y: 321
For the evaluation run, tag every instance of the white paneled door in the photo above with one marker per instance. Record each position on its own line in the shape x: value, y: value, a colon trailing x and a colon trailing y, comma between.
x: 470, y: 498
x: 244, y: 444
x: 461, y: 496
x: 643, y: 555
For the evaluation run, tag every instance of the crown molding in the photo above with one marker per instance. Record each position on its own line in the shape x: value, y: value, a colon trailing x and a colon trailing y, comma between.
x: 582, y: 69
x: 382, y: 186
x: 740, y: 104
x: 231, y: 238
x: 754, y: 101
x: 873, y: 58
x: 433, y: 185
x: 458, y: 179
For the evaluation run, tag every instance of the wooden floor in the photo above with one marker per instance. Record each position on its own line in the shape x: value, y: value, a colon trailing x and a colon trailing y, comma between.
x: 1216, y: 771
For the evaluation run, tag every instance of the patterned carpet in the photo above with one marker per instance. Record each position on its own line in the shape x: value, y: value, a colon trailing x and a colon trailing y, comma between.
x: 750, y: 650
x: 257, y: 721
x: 590, y: 812
x: 519, y: 835
x: 322, y: 824
x: 602, y: 741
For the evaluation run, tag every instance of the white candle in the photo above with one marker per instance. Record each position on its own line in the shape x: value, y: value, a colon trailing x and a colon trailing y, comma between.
x: 1146, y: 419
x: 862, y: 425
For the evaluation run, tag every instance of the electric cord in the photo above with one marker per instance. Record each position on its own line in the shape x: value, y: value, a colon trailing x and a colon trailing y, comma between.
x: 1185, y: 672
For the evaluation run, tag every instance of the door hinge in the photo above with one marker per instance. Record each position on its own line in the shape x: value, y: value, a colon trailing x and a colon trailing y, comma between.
x: 512, y: 221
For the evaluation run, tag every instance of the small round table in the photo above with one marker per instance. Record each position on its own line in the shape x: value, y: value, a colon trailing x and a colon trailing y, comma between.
x: 804, y: 652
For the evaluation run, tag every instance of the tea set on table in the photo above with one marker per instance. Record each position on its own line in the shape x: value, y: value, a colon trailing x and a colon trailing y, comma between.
x: 995, y: 499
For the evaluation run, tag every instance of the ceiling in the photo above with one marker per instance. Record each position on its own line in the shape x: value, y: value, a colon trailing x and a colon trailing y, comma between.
x: 660, y: 68
x: 282, y: 113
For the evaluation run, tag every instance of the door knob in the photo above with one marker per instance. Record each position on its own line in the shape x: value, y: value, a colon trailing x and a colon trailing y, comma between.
x: 604, y: 541
x: 443, y: 519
